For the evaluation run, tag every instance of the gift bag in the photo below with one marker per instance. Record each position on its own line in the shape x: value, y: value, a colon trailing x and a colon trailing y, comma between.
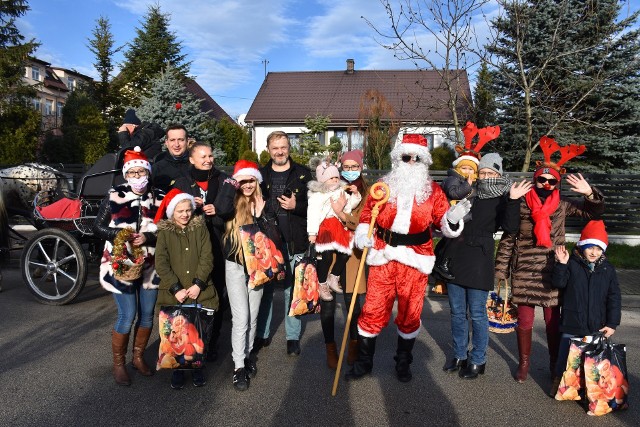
x: 572, y: 383
x: 263, y: 260
x: 185, y: 331
x: 605, y: 377
x: 304, y: 297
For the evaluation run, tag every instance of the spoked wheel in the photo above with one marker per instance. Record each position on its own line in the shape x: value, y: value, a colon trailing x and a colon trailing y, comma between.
x: 54, y: 266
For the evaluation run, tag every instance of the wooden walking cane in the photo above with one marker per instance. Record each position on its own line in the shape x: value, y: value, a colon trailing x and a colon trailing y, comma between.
x: 380, y: 192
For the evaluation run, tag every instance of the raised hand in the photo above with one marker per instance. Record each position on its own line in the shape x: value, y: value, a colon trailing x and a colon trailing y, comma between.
x: 562, y: 255
x: 457, y: 212
x: 519, y: 189
x: 579, y: 184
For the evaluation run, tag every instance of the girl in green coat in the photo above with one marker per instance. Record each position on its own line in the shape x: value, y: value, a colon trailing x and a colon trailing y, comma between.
x: 184, y: 258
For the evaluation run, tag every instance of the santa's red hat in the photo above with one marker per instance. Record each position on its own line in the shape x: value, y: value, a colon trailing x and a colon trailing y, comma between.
x: 594, y: 234
x: 412, y: 144
x: 169, y: 203
x: 133, y: 158
x: 246, y: 168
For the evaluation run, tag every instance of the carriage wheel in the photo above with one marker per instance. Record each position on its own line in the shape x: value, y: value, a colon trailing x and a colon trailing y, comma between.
x: 54, y: 266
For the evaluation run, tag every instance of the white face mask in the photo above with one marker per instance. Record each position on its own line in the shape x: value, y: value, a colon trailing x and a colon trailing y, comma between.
x: 138, y: 184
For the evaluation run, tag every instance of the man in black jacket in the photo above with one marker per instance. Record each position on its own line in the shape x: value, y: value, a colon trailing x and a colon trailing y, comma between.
x: 284, y: 187
x: 172, y: 164
x: 134, y: 133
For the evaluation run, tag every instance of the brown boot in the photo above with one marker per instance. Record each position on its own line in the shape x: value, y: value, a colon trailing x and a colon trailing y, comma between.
x: 119, y: 344
x: 524, y: 350
x: 332, y: 355
x: 352, y: 352
x: 140, y: 340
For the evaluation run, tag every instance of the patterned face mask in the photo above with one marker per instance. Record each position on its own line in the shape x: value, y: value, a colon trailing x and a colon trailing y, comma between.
x: 138, y: 184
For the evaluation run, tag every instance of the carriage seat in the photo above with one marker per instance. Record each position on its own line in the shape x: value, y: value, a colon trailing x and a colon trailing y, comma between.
x: 65, y: 208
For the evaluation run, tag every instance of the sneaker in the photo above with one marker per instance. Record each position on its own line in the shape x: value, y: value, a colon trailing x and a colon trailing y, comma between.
x: 240, y: 380
x: 198, y: 378
x: 250, y: 367
x: 177, y: 380
x: 293, y: 347
x: 325, y: 292
x: 333, y: 282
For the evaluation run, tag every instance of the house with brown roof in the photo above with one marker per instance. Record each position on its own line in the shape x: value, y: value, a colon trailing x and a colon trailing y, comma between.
x: 419, y: 99
x: 207, y: 104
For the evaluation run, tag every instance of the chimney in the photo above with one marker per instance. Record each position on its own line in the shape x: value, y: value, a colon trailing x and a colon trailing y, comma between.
x: 350, y: 66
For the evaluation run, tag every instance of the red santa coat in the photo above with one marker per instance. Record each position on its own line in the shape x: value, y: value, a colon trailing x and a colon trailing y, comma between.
x: 401, y: 271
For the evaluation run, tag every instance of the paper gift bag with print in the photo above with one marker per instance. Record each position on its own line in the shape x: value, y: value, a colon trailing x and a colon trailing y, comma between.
x: 263, y: 260
x: 606, y: 381
x: 572, y: 383
x: 305, y: 294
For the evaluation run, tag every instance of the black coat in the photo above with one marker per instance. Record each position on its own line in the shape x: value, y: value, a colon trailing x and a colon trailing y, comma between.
x: 148, y: 137
x: 297, y: 181
x: 166, y: 170
x: 591, y: 300
x: 472, y: 253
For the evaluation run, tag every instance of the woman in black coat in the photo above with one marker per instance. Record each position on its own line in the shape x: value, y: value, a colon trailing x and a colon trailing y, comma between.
x: 496, y: 205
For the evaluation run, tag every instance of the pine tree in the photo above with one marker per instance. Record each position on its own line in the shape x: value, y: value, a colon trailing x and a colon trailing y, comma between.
x: 484, y: 101
x: 102, y: 45
x: 149, y: 53
x: 169, y: 102
x: 19, y: 125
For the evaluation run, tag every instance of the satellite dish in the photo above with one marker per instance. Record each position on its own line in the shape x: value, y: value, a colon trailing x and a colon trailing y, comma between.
x: 241, y: 118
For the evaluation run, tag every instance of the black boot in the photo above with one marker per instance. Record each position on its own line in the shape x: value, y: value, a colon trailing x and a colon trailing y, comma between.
x: 404, y: 358
x: 444, y: 269
x: 364, y: 364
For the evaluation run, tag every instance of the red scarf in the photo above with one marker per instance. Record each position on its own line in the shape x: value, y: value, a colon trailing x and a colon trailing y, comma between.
x: 541, y: 215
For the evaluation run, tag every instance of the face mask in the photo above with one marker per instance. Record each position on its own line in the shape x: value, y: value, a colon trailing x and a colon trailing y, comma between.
x: 138, y: 184
x: 350, y: 175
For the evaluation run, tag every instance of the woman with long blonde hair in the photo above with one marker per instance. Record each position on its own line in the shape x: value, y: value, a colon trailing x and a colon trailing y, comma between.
x: 244, y: 302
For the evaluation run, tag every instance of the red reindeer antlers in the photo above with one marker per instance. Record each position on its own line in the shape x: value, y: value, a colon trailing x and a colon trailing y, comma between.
x: 550, y: 146
x: 470, y: 130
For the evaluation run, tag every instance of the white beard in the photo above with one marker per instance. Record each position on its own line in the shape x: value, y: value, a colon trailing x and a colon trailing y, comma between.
x: 409, y: 181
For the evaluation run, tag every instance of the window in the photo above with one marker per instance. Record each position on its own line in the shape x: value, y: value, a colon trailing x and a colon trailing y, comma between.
x: 351, y: 140
x: 48, y: 107
x: 35, y: 73
x: 71, y: 83
x: 294, y: 140
x: 430, y: 140
x: 37, y: 104
x: 59, y: 106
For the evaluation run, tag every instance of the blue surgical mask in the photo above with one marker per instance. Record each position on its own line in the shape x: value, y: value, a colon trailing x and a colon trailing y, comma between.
x: 350, y: 175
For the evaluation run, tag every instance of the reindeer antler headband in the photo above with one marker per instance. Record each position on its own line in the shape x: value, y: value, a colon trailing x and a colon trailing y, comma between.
x: 550, y: 146
x: 472, y: 151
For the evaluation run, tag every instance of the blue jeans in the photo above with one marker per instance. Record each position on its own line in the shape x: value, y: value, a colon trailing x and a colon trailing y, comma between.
x: 475, y: 300
x: 142, y: 302
x: 292, y: 325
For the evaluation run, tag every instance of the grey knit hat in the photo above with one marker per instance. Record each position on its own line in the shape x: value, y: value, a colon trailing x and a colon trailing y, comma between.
x: 491, y: 161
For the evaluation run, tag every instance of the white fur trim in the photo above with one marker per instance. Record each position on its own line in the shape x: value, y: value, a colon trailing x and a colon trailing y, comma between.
x: 446, y: 229
x: 461, y: 158
x: 411, y: 335
x: 177, y: 199
x: 333, y: 246
x: 602, y: 245
x: 404, y: 255
x: 409, y: 148
x: 132, y: 163
x: 366, y: 334
x: 402, y: 221
x: 152, y: 228
x: 248, y: 172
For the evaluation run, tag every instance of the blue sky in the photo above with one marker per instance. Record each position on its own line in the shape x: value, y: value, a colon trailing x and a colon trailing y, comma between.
x: 227, y: 40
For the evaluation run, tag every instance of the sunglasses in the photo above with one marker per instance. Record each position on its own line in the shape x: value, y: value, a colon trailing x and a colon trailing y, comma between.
x: 246, y: 181
x: 542, y: 180
x: 407, y: 158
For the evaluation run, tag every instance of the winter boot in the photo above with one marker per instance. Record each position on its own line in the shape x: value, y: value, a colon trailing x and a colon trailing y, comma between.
x: 140, y: 340
x: 444, y: 269
x: 404, y: 358
x: 119, y: 344
x: 352, y: 352
x: 333, y: 282
x: 332, y: 355
x: 325, y: 292
x: 524, y: 350
x: 553, y: 345
x: 364, y: 364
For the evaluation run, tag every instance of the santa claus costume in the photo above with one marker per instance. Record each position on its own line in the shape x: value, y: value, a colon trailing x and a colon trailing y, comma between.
x: 401, y: 252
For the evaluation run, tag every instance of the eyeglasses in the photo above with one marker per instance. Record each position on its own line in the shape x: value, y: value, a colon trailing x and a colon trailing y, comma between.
x: 542, y: 180
x: 138, y: 173
x: 350, y: 167
x: 246, y: 181
x: 488, y: 174
x: 407, y: 158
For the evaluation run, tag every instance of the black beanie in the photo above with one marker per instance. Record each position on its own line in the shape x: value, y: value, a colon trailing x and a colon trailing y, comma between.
x: 131, y: 118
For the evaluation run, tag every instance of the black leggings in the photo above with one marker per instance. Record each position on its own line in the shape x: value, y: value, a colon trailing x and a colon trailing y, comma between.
x: 324, y: 264
x: 327, y: 316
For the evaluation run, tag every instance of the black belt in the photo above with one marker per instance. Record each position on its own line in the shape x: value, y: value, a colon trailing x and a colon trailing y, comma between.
x: 397, y: 239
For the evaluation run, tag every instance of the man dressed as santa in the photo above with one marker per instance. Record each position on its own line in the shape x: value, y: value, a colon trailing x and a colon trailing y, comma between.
x: 401, y: 252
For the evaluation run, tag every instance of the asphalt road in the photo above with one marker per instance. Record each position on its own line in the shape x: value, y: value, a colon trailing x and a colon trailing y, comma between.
x: 55, y: 371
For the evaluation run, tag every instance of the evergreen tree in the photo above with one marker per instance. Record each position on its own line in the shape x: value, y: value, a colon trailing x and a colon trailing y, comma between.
x: 169, y: 102
x: 484, y: 105
x: 233, y: 139
x: 19, y: 125
x: 378, y: 121
x: 102, y: 45
x: 564, y: 68
x: 154, y: 47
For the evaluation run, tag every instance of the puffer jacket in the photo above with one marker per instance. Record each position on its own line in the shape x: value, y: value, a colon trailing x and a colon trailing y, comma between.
x: 529, y: 266
x: 591, y: 299
x: 183, y: 259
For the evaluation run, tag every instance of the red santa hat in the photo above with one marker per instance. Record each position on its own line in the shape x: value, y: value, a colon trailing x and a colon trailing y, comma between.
x: 594, y: 234
x: 412, y: 144
x: 246, y: 168
x: 169, y: 203
x: 133, y: 158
